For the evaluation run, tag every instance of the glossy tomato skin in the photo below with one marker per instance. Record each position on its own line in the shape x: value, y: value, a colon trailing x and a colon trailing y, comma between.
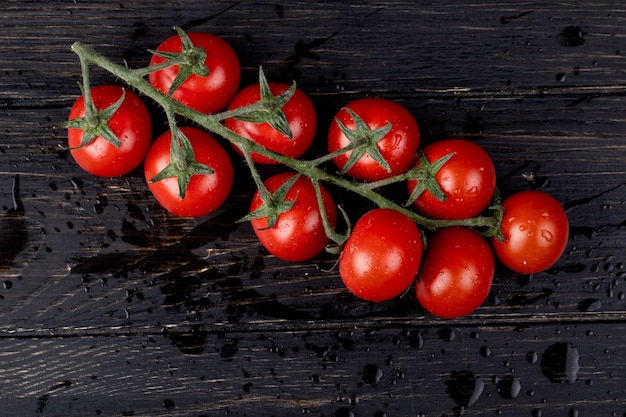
x: 299, y: 233
x: 456, y: 274
x: 205, y: 193
x: 536, y: 231
x: 468, y: 180
x: 205, y: 94
x: 382, y: 256
x: 398, y: 147
x: 300, y: 114
x: 131, y: 124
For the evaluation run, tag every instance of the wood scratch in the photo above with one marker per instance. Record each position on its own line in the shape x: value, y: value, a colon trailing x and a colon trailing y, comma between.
x: 508, y: 19
x: 197, y: 22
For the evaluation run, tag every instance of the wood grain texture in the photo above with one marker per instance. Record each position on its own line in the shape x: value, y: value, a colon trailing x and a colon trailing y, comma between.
x: 401, y: 371
x: 109, y: 306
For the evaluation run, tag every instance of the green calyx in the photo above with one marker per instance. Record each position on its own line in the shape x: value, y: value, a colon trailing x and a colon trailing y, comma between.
x: 190, y: 60
x: 95, y: 123
x: 425, y: 174
x: 274, y: 204
x: 183, y: 164
x: 363, y: 140
x: 270, y: 109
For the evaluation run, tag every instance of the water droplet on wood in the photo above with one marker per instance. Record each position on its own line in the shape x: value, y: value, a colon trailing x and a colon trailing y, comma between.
x: 559, y: 363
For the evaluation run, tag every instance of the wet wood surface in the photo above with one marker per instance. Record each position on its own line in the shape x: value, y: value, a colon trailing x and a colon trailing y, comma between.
x: 109, y: 306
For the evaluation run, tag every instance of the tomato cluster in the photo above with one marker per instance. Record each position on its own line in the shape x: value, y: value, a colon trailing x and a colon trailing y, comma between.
x: 443, y: 247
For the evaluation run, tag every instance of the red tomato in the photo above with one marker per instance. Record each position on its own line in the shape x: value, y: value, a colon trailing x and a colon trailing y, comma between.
x: 299, y: 233
x: 300, y: 115
x: 208, y: 94
x: 131, y: 124
x: 535, y: 229
x: 457, y: 273
x: 382, y: 256
x: 397, y: 147
x: 468, y: 180
x: 205, y: 193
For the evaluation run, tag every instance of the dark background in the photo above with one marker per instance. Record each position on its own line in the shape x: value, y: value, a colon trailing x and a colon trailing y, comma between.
x: 109, y: 306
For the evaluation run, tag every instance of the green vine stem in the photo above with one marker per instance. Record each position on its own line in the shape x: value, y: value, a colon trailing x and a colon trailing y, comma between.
x: 311, y: 169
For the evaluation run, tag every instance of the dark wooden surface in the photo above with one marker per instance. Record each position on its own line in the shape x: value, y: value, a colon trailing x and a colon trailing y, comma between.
x: 109, y: 306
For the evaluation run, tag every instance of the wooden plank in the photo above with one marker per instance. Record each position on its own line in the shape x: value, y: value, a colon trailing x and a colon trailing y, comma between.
x: 431, y: 46
x: 404, y: 371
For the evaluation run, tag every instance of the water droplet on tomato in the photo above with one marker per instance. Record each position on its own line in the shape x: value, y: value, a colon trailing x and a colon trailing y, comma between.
x: 547, y: 235
x: 397, y: 140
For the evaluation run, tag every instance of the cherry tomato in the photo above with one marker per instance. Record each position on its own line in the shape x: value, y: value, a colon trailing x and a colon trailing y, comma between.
x: 205, y: 193
x: 300, y: 115
x: 467, y: 179
x: 131, y: 124
x: 208, y: 94
x: 456, y: 274
x: 299, y: 233
x: 397, y: 147
x: 536, y: 230
x: 382, y: 256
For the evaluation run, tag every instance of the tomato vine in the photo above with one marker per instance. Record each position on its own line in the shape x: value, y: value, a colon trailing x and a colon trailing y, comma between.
x: 374, y: 143
x: 489, y: 225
